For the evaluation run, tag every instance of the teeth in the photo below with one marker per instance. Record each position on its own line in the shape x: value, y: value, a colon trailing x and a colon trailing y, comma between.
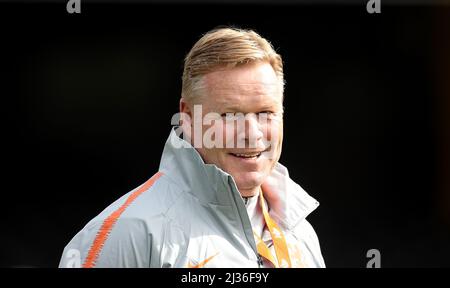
x: 247, y: 155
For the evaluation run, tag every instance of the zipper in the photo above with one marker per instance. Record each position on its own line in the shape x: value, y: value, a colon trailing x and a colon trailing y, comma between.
x: 250, y: 238
x: 260, y: 261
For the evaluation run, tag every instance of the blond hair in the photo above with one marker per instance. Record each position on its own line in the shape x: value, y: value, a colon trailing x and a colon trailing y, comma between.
x: 226, y: 47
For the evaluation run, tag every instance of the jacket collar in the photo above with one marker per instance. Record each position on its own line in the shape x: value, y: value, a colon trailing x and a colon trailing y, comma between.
x: 288, y: 203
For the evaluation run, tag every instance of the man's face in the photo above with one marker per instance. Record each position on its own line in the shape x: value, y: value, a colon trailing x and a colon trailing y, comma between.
x: 253, y: 92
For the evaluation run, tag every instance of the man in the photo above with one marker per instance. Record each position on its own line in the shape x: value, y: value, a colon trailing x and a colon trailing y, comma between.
x: 220, y: 197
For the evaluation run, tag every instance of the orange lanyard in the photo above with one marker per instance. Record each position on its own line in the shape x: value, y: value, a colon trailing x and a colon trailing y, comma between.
x: 279, y: 242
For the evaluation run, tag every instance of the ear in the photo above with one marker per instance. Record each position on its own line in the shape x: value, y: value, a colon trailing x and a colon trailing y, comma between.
x: 186, y: 116
x: 185, y: 107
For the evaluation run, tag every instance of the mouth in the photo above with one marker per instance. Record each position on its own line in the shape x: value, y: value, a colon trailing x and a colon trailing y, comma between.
x: 249, y: 155
x: 252, y: 155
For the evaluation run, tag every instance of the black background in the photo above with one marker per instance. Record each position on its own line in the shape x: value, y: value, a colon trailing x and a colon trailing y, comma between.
x: 87, y: 101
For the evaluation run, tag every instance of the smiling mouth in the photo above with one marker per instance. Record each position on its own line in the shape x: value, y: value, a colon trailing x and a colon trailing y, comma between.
x: 253, y: 155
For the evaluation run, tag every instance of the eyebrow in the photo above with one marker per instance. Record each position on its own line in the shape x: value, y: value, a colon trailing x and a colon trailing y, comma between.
x: 231, y: 108
x: 238, y: 108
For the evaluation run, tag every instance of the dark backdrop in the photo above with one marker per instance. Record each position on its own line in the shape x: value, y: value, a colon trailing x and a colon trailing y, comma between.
x: 87, y: 101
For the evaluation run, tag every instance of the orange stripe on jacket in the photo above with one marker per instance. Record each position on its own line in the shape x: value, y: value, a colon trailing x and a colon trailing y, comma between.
x: 108, y: 223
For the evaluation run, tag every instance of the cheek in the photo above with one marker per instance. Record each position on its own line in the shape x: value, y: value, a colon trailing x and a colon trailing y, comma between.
x: 274, y: 138
x: 274, y: 132
x: 280, y: 134
x: 228, y: 134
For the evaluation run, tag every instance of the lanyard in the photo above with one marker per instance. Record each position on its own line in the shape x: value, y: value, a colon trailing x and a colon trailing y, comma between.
x: 279, y: 242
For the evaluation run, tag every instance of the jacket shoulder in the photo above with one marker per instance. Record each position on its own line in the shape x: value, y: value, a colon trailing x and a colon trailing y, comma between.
x: 124, y: 234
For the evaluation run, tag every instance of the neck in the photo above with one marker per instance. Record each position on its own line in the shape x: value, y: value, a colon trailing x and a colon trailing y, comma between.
x: 250, y: 192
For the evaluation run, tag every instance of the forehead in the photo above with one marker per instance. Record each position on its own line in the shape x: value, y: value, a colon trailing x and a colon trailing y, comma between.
x: 250, y: 82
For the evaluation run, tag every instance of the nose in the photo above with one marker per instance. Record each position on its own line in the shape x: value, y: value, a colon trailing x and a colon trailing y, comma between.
x: 253, y: 132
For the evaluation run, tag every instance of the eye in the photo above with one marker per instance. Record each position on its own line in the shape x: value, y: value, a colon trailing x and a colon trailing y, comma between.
x: 268, y: 113
x: 230, y: 114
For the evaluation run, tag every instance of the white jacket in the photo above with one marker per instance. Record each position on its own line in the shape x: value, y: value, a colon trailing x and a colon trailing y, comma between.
x: 192, y: 214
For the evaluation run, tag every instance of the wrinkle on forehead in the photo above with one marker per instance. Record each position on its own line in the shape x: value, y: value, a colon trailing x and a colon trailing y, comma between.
x: 246, y: 97
x: 255, y: 74
x: 244, y: 85
x: 268, y: 89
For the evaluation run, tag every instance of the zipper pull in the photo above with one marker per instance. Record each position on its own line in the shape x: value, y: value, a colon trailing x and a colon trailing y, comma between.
x: 260, y: 261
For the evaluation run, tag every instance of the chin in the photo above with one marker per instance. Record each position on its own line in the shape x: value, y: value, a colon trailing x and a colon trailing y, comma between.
x: 248, y: 183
